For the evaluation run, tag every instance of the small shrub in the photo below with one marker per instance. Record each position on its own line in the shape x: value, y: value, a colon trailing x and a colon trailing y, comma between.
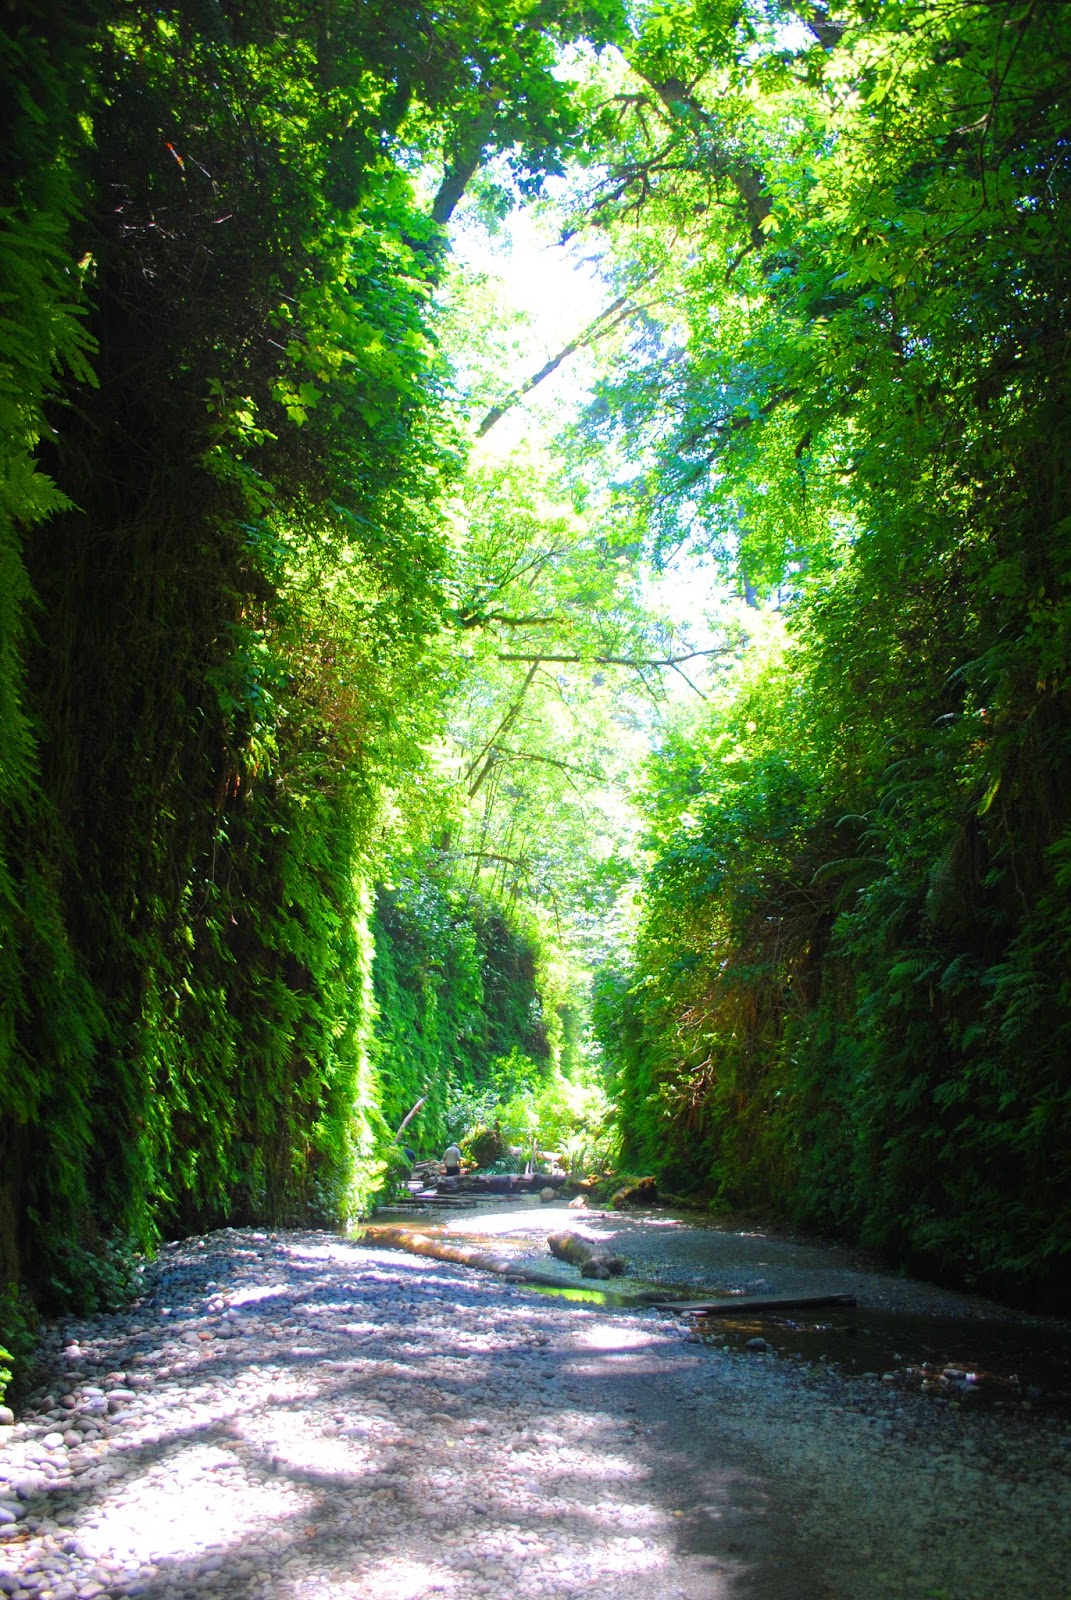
x: 18, y: 1335
x: 103, y: 1277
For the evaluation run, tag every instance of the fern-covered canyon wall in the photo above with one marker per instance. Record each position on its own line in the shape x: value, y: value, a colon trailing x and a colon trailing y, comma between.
x: 223, y: 559
x: 848, y: 999
x: 458, y: 994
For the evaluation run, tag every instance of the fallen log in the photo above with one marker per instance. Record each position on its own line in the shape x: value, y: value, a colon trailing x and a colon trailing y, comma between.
x: 730, y: 1305
x: 432, y: 1187
x: 503, y: 1183
x: 423, y: 1244
x: 641, y: 1192
x: 593, y: 1263
x: 407, y: 1119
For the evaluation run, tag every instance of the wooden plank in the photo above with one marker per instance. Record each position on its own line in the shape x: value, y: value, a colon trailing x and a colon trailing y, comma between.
x: 730, y: 1305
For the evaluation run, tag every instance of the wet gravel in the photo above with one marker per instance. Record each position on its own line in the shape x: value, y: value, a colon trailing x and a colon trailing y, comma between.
x: 294, y: 1415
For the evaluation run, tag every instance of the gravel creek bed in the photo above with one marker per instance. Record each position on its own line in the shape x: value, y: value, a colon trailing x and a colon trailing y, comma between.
x: 294, y: 1415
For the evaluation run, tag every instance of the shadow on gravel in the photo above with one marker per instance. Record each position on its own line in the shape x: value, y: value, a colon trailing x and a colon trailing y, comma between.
x: 377, y: 1529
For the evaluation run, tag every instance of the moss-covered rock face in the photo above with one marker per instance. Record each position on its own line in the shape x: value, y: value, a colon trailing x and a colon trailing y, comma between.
x: 223, y: 459
x: 458, y: 999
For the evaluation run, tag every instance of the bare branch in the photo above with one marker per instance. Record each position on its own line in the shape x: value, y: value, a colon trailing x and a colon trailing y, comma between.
x: 693, y: 686
x: 488, y: 750
x: 637, y: 664
x: 549, y: 761
x: 497, y: 586
x: 599, y: 326
x: 480, y: 619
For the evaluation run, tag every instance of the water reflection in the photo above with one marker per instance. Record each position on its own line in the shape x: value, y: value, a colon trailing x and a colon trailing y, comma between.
x: 961, y: 1358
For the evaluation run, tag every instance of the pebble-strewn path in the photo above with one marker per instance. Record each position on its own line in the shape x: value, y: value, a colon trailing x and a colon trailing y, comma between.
x: 296, y: 1416
x: 293, y: 1416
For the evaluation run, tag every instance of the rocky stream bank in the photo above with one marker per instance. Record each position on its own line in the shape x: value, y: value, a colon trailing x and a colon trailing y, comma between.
x: 296, y: 1415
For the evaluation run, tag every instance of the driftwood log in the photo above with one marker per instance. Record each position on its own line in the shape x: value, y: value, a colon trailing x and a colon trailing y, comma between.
x: 423, y: 1244
x: 593, y: 1263
x: 462, y: 1255
x: 641, y: 1192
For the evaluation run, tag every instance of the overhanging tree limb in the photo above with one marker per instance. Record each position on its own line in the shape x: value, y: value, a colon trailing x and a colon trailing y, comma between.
x: 638, y: 664
x: 464, y: 159
x: 723, y: 432
x: 598, y: 328
x: 747, y: 179
x: 817, y: 18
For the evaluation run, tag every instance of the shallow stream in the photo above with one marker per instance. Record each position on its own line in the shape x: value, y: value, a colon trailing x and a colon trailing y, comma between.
x: 905, y: 1332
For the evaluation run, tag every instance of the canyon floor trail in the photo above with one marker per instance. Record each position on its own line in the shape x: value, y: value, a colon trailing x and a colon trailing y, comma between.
x: 294, y: 1415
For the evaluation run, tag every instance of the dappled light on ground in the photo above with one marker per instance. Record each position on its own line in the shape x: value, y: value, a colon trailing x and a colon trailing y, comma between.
x: 611, y: 1336
x: 325, y: 1421
x: 293, y: 1417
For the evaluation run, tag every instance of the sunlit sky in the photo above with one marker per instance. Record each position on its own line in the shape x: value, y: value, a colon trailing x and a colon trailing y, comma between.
x: 551, y: 283
x: 559, y: 293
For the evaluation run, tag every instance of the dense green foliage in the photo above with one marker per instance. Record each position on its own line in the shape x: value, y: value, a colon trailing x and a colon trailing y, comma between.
x: 480, y: 1023
x: 457, y: 994
x: 318, y: 717
x: 223, y: 555
x: 850, y: 994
